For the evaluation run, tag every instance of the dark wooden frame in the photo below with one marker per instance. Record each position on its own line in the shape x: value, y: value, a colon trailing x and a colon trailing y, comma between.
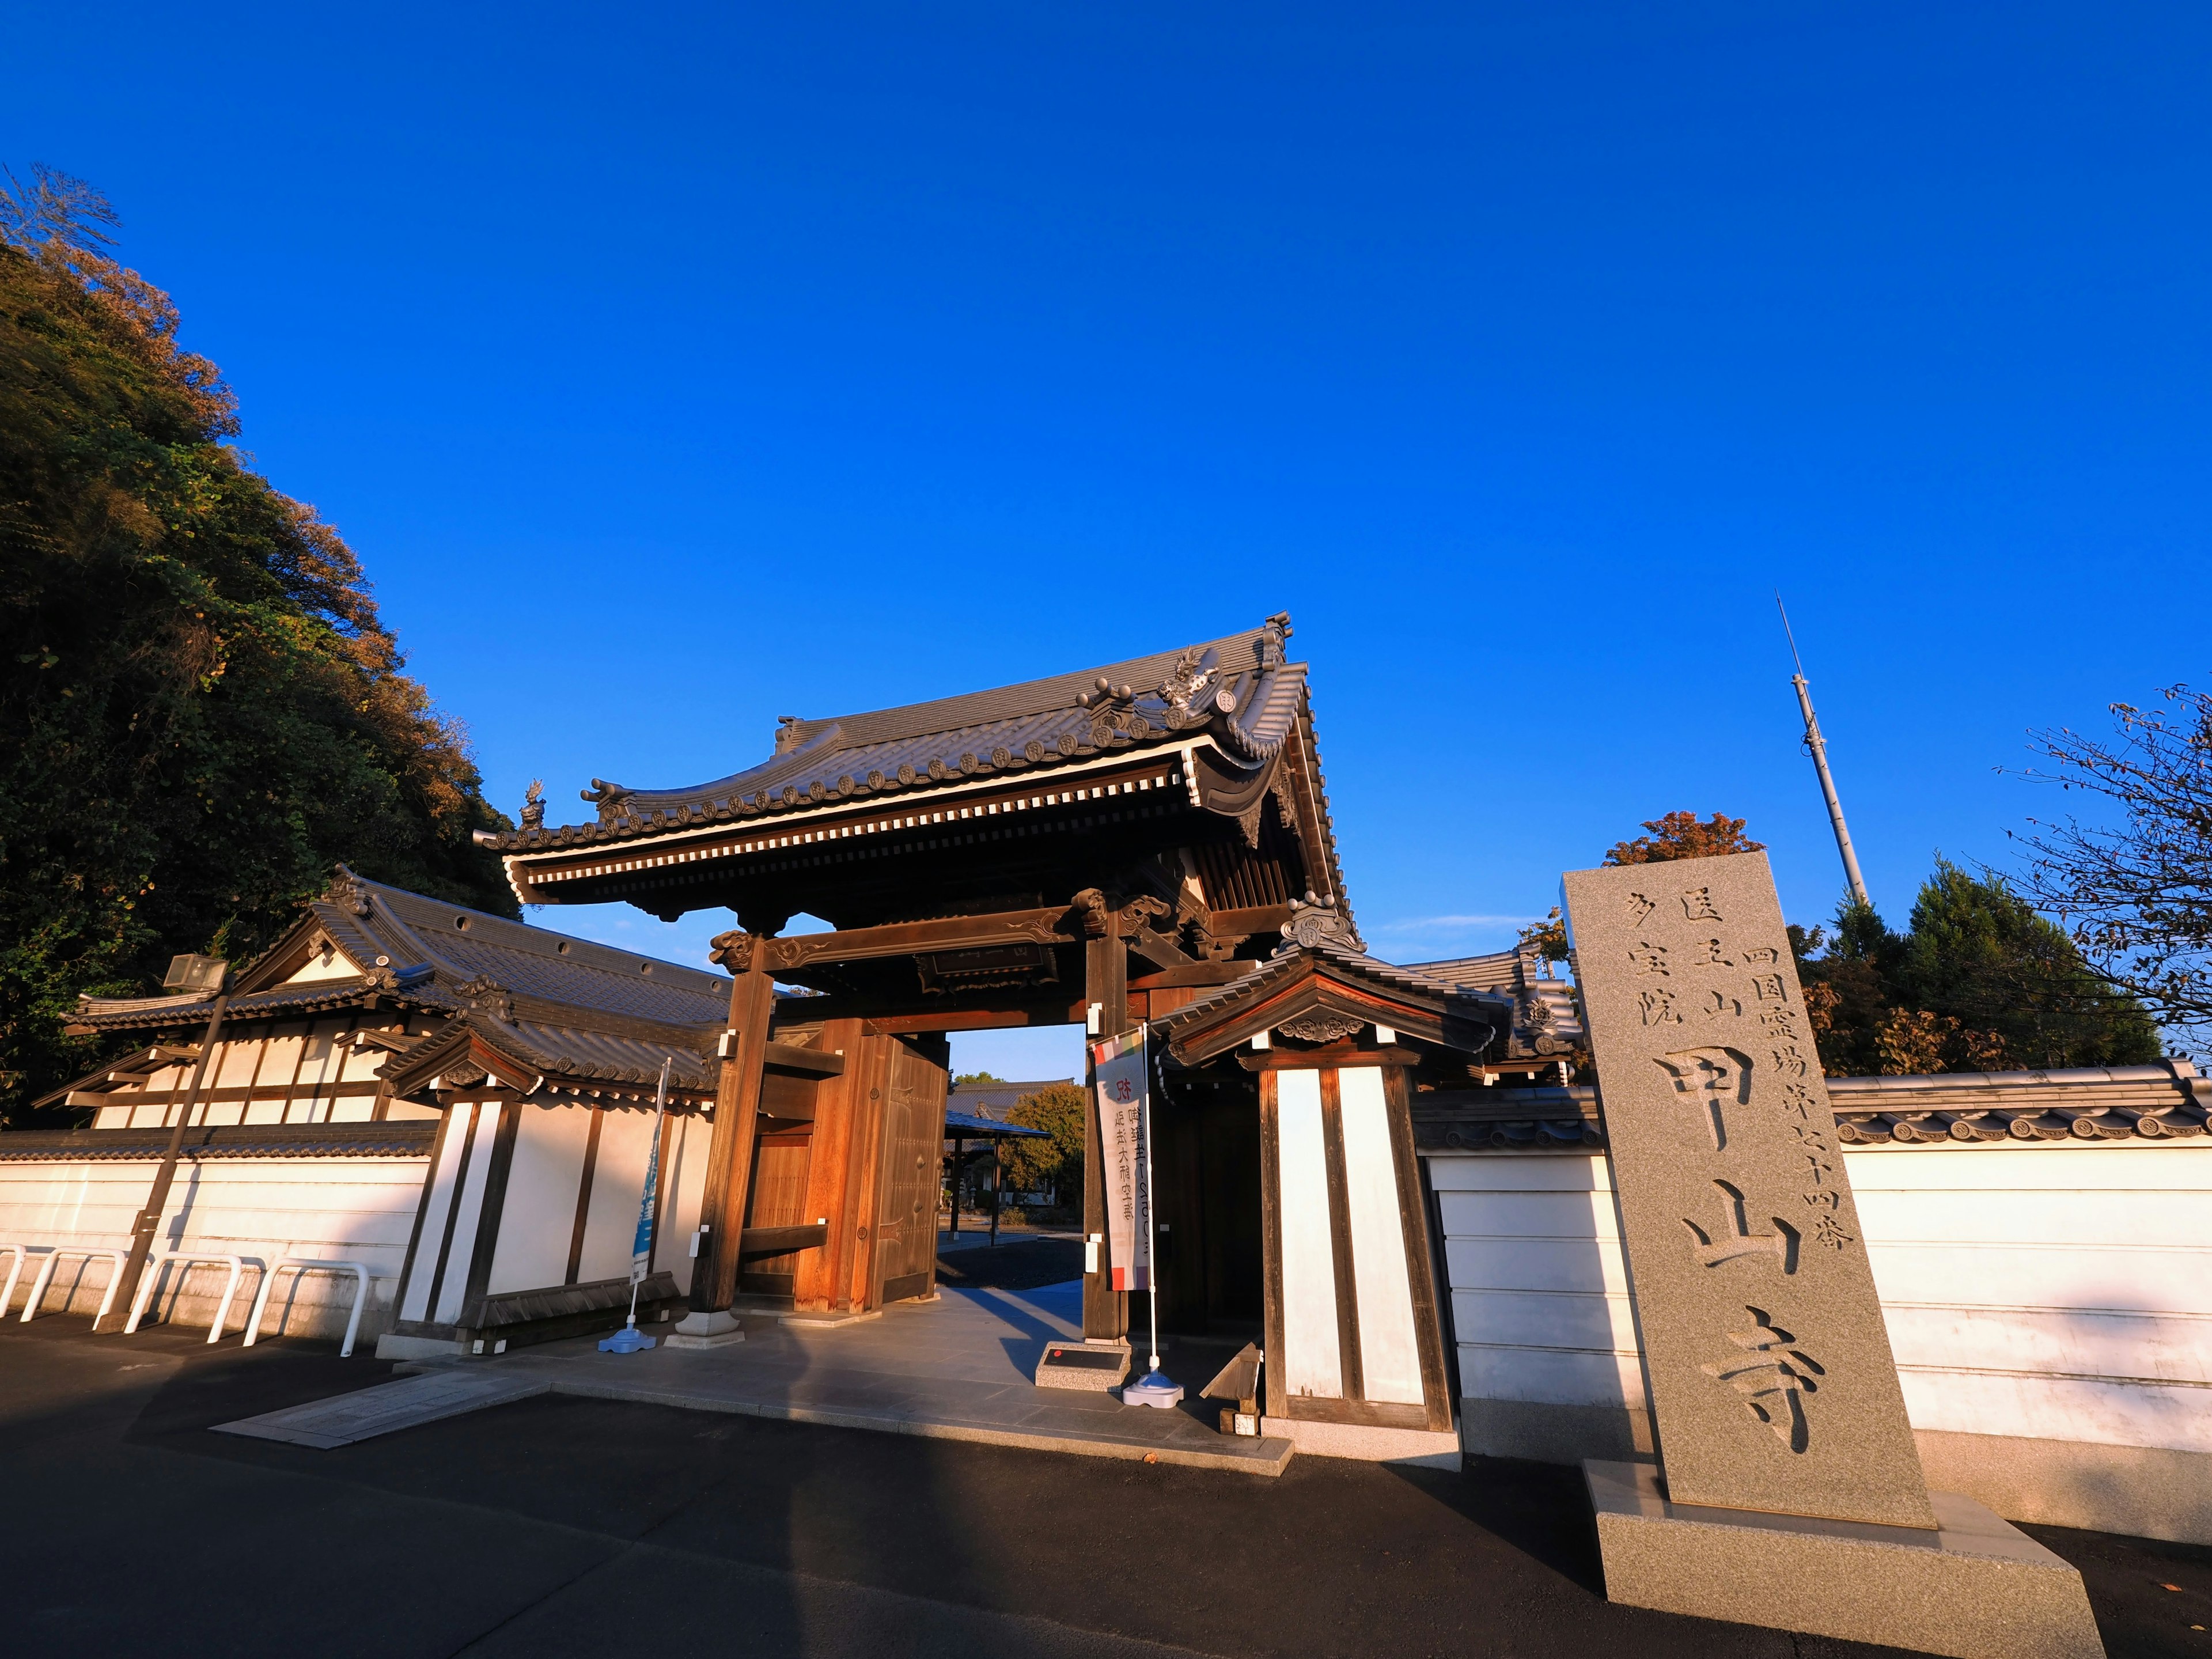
x: 1435, y: 1411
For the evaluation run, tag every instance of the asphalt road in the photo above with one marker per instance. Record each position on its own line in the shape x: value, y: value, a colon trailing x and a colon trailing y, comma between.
x: 561, y: 1526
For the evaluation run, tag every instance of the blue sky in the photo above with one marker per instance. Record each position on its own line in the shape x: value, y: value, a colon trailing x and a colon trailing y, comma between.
x: 676, y: 368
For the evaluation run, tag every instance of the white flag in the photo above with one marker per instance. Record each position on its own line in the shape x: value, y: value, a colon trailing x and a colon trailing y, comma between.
x: 1118, y: 1071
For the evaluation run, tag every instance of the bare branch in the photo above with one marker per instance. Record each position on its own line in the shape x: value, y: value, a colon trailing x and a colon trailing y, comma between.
x: 2135, y: 893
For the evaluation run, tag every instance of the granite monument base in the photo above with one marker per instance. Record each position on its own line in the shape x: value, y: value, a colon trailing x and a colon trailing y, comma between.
x: 1976, y: 1588
x: 718, y: 1329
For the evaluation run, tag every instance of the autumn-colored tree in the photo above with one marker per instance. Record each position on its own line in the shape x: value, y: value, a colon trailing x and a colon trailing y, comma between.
x: 1056, y: 1163
x: 200, y: 709
x: 1681, y: 836
x: 1547, y: 938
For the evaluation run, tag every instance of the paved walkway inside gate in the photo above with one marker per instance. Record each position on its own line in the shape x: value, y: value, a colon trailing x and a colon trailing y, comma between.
x: 958, y: 1368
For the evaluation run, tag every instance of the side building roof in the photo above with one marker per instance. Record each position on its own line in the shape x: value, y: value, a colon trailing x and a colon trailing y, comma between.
x: 551, y: 1007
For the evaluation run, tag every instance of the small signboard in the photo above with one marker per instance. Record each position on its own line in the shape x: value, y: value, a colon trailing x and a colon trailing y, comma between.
x: 1093, y: 1366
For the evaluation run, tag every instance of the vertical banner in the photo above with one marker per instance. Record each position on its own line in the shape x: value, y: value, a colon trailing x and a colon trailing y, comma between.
x: 1118, y: 1072
x: 640, y: 1249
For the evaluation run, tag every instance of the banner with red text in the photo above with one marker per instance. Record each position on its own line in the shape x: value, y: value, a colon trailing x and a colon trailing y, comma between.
x: 1118, y: 1075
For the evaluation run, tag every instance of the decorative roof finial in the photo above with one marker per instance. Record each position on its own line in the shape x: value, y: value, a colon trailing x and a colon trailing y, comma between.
x: 607, y: 797
x: 533, y: 805
x: 347, y: 892
x: 1271, y: 645
x: 786, y: 733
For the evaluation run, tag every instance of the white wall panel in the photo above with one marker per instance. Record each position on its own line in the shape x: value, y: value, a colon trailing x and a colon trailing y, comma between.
x: 1601, y: 1323
x: 437, y: 1208
x: 1571, y: 1215
x: 688, y: 1146
x: 345, y: 1208
x: 538, y: 1219
x: 1389, y: 1352
x: 468, y: 1210
x: 618, y: 1183
x: 1551, y: 1376
x: 2038, y: 1291
x: 1315, y: 1362
x: 1537, y: 1264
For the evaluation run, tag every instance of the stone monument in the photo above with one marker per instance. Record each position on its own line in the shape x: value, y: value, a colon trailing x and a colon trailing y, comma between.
x: 1789, y: 1491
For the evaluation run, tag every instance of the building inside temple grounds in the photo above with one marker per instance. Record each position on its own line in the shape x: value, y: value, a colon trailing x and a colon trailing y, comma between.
x: 1394, y: 1179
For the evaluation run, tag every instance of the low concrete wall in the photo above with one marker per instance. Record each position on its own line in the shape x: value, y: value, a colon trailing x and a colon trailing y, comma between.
x: 2050, y: 1308
x: 345, y: 1208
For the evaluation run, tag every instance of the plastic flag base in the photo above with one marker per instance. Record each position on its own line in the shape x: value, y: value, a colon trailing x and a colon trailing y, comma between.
x: 1154, y: 1390
x: 628, y: 1340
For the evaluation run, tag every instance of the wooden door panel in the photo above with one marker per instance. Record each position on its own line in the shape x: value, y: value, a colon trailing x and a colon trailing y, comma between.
x: 913, y: 1139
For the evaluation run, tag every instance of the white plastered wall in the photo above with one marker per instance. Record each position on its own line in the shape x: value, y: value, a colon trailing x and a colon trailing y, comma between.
x: 2049, y: 1309
x: 348, y: 1208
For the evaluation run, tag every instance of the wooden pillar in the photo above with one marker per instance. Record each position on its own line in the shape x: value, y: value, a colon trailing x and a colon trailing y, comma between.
x: 1106, y: 986
x: 737, y: 1111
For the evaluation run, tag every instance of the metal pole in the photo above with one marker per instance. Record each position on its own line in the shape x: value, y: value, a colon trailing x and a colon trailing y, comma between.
x: 997, y: 1169
x: 958, y: 1146
x: 1817, y: 747
x: 150, y: 1219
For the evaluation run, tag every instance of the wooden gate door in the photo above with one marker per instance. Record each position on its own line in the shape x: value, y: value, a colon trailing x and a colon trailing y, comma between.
x: 914, y: 1142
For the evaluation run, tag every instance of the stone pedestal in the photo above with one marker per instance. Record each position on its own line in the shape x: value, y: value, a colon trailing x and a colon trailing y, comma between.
x: 705, y: 1330
x: 1977, y: 1587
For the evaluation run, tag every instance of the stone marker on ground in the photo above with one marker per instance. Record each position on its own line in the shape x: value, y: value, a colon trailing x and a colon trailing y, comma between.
x: 1774, y: 1397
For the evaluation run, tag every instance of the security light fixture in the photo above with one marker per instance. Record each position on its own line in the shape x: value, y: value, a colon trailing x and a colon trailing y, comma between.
x: 203, y: 975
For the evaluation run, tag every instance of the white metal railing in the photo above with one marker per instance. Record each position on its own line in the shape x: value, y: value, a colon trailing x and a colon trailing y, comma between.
x: 185, y: 1259
x: 16, y: 1252
x: 309, y: 1263
x: 45, y: 1276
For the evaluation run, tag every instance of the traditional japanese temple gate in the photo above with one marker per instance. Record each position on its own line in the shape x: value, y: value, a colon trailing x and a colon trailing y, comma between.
x: 1099, y: 848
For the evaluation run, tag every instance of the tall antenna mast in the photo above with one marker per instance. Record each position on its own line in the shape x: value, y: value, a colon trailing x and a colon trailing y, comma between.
x: 1817, y: 747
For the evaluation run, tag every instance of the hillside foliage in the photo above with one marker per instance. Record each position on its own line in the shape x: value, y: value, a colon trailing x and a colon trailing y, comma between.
x: 203, y: 710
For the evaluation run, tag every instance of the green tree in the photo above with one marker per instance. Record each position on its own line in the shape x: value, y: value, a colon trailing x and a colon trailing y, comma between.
x: 202, y: 710
x: 1979, y: 954
x: 1033, y: 1165
x: 1979, y: 982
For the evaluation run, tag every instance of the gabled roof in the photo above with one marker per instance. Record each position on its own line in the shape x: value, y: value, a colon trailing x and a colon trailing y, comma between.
x: 1547, y: 1021
x: 1320, y: 975
x: 535, y: 1006
x: 428, y: 953
x: 526, y: 1054
x: 1238, y: 692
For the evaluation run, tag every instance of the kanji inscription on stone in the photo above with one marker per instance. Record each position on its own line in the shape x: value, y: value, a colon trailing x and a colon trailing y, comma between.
x: 1769, y: 1370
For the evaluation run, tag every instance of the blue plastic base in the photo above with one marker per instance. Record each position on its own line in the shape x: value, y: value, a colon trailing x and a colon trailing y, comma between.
x: 1154, y: 1390
x: 628, y: 1340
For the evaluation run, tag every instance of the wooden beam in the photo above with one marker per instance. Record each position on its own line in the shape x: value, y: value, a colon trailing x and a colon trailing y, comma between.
x: 1194, y: 974
x: 780, y: 1241
x: 1257, y: 918
x: 900, y: 939
x: 975, y: 1019
x: 815, y: 1062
